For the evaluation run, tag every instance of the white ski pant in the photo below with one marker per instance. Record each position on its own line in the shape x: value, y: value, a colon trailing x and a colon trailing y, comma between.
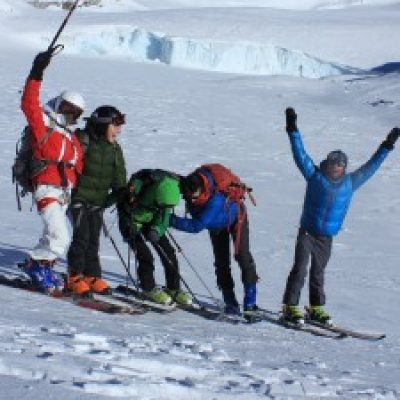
x: 52, y: 205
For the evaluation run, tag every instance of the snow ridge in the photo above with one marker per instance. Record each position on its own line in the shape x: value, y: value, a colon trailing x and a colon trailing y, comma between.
x: 202, y: 54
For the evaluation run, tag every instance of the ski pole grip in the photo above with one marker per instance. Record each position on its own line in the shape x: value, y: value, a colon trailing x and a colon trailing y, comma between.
x: 249, y: 191
x: 57, y: 49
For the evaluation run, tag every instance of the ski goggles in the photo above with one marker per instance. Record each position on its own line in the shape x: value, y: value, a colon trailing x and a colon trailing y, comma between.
x: 71, y: 109
x: 338, y: 158
x: 115, y: 119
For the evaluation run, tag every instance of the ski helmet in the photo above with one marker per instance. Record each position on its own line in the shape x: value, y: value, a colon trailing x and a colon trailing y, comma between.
x: 106, y: 115
x: 70, y: 97
x: 337, y: 157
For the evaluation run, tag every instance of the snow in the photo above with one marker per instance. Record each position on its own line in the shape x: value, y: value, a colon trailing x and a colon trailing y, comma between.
x: 191, y: 110
x: 123, y: 5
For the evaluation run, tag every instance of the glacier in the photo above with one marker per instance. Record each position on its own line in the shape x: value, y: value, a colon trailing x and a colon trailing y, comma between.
x: 237, y: 57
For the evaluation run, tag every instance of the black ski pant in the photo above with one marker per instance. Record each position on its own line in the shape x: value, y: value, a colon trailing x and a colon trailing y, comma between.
x: 319, y: 248
x: 220, y: 241
x: 145, y: 260
x: 83, y: 253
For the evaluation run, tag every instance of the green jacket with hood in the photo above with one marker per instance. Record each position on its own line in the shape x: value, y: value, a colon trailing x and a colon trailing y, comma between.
x: 155, y: 194
x: 104, y: 171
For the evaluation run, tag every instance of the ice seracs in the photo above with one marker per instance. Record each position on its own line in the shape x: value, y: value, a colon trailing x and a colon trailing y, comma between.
x: 203, y: 54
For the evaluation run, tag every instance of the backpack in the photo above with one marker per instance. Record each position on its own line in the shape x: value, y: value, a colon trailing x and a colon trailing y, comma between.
x: 226, y: 181
x: 149, y: 176
x: 229, y: 184
x: 25, y: 167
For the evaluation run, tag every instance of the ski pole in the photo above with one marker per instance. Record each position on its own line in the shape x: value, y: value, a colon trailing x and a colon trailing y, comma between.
x: 62, y: 26
x: 180, y: 250
x: 129, y: 264
x: 249, y: 192
x: 107, y: 234
x: 175, y: 269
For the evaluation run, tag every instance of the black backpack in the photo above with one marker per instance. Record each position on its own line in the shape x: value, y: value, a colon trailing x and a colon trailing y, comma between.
x: 25, y: 167
x: 149, y: 176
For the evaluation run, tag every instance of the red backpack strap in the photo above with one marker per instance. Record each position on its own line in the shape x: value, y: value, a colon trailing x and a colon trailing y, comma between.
x: 242, y: 212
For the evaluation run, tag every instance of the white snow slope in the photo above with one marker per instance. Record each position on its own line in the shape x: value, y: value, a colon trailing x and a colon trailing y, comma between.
x: 203, y: 81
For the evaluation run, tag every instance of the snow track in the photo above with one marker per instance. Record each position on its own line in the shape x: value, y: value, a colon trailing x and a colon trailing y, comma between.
x: 158, y: 366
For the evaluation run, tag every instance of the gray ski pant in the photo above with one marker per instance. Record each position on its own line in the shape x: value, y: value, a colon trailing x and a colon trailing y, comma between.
x: 319, y: 248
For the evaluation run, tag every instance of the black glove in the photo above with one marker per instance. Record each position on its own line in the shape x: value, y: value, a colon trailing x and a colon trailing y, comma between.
x: 125, y: 195
x: 40, y: 63
x: 391, y: 138
x: 152, y: 236
x: 291, y: 118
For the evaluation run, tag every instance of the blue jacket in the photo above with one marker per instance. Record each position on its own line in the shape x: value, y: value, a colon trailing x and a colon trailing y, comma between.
x: 217, y: 213
x: 326, y: 201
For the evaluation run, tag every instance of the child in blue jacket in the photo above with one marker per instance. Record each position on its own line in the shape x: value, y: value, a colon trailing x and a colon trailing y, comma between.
x: 328, y: 195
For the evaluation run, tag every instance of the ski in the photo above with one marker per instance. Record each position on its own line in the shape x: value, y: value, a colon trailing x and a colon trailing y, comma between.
x: 276, y: 319
x: 105, y: 305
x: 213, y: 315
x: 133, y: 296
x: 348, y: 332
x: 332, y: 327
x: 125, y: 293
x: 97, y: 304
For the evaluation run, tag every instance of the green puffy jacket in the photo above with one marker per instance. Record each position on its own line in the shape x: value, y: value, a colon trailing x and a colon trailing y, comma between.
x: 104, y: 171
x: 154, y: 199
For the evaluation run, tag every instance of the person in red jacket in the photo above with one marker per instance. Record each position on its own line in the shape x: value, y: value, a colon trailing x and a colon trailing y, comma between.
x: 60, y: 157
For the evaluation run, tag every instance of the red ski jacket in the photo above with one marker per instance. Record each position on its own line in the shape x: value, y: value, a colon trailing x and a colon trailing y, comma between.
x: 61, y: 149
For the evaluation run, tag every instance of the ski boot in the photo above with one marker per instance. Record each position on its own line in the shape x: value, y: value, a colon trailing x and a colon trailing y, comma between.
x: 318, y: 314
x: 180, y: 297
x: 56, y: 281
x: 157, y: 295
x: 292, y: 314
x: 97, y: 285
x: 77, y: 285
x: 43, y: 276
x: 231, y: 304
x: 249, y: 303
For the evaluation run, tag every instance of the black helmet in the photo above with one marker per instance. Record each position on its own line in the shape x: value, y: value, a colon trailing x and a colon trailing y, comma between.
x: 106, y: 115
x: 191, y: 184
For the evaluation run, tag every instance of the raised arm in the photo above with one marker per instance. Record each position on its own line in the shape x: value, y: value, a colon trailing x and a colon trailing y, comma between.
x: 30, y: 103
x: 301, y: 158
x: 362, y: 174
